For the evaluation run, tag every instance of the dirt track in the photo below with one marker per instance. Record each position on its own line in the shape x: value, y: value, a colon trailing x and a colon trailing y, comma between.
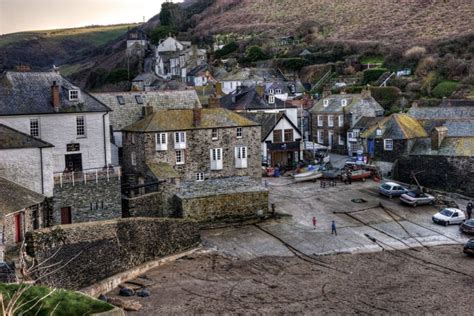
x: 375, y: 283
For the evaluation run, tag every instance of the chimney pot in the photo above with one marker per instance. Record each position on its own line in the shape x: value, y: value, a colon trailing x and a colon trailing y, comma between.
x: 55, y: 99
x: 148, y: 110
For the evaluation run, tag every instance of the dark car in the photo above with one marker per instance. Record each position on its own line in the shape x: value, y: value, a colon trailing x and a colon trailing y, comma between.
x: 469, y: 247
x: 467, y: 227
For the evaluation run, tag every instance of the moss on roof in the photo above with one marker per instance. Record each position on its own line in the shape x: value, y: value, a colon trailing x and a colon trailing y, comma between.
x: 162, y: 170
x: 397, y: 126
x: 179, y: 120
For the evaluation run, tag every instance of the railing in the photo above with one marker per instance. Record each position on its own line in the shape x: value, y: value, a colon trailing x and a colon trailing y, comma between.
x: 89, y: 175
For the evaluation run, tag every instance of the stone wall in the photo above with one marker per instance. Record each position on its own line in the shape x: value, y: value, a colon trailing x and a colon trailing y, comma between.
x: 99, y: 250
x: 91, y: 201
x: 336, y: 129
x: 453, y: 174
x: 401, y: 147
x: 29, y: 216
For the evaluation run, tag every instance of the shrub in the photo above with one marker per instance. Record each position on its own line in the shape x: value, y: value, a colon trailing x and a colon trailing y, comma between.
x: 117, y: 75
x: 415, y: 53
x: 226, y: 50
x: 294, y: 64
x: 255, y: 53
x: 370, y: 75
x: 387, y: 96
x: 162, y: 31
x: 444, y: 89
x: 425, y: 66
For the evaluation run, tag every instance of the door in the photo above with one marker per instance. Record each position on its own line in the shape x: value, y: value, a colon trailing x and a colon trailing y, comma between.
x: 74, y: 162
x: 18, y: 228
x: 330, y: 139
x: 65, y: 215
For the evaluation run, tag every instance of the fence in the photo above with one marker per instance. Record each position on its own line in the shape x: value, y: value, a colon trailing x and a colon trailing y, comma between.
x: 89, y: 175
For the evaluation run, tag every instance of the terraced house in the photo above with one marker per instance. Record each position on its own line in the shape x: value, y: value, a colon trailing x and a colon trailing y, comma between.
x: 334, y: 115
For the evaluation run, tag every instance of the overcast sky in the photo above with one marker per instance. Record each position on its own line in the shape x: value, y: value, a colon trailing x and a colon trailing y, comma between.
x: 24, y: 15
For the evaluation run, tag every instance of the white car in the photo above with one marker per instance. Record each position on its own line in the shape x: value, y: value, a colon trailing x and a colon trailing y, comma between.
x: 414, y: 198
x: 449, y: 216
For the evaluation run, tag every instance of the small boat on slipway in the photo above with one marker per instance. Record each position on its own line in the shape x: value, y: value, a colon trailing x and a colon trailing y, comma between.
x: 312, y: 175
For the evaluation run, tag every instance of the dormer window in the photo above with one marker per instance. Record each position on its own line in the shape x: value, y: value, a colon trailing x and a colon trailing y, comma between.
x: 378, y: 131
x: 271, y: 91
x: 271, y: 99
x: 344, y: 102
x: 278, y: 91
x: 73, y: 95
x: 326, y: 103
x: 139, y: 99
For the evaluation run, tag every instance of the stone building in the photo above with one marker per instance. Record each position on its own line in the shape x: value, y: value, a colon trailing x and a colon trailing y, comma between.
x: 49, y: 108
x: 137, y: 44
x: 334, y: 115
x: 169, y: 148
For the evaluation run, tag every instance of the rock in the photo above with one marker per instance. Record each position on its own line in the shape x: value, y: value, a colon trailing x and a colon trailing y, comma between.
x: 143, y: 293
x: 130, y: 306
x: 126, y: 292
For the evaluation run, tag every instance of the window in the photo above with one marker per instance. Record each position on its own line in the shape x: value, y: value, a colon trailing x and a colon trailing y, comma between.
x: 73, y: 95
x: 355, y: 133
x: 241, y: 157
x: 320, y: 120
x: 133, y: 157
x: 288, y: 135
x: 120, y: 100
x: 80, y: 126
x: 271, y: 91
x: 344, y: 102
x: 200, y: 176
x: 330, y: 120
x: 341, y: 120
x: 34, y: 127
x: 320, y: 137
x: 180, y: 140
x: 132, y: 138
x: 378, y: 131
x: 161, y: 141
x: 278, y: 91
x: 216, y: 159
x: 179, y: 157
x: 271, y: 99
x: 239, y: 132
x: 326, y: 103
x: 139, y: 99
x: 215, y: 134
x: 340, y: 140
x: 388, y: 144
x: 277, y: 137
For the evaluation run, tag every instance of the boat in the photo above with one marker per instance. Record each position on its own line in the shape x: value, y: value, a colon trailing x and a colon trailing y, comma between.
x: 308, y: 176
x: 360, y: 174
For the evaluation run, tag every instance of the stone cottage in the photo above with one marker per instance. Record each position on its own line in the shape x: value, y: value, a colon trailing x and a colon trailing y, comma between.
x: 172, y: 157
x: 334, y: 115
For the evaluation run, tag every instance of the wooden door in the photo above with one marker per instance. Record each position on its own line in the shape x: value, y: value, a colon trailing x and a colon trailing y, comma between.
x: 65, y: 215
x: 74, y: 162
x: 18, y: 228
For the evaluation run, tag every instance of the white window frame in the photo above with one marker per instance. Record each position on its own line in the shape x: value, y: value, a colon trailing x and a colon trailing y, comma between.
x: 341, y: 120
x: 271, y: 99
x: 215, y: 134
x: 180, y: 140
x: 355, y: 133
x: 35, y: 130
x: 320, y: 120
x: 73, y: 95
x: 344, y: 102
x: 216, y: 159
x: 81, y: 128
x: 180, y: 157
x: 340, y: 140
x: 387, y: 147
x: 278, y: 91
x: 161, y: 141
x: 241, y: 153
x: 331, y: 120
x: 271, y: 92
x: 378, y: 132
x: 325, y: 103
x: 200, y: 176
x: 320, y: 136
x: 133, y: 158
x: 239, y: 132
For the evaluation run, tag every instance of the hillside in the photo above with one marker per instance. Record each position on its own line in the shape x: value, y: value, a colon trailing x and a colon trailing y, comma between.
x: 41, y: 49
x: 388, y: 21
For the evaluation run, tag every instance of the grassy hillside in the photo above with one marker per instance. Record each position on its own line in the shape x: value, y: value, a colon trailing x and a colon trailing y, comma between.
x: 42, y: 49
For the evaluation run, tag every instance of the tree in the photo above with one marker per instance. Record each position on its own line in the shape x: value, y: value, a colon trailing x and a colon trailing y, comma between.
x: 255, y: 53
x: 160, y: 32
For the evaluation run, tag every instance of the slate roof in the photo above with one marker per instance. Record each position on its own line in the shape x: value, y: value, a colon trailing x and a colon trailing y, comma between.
x: 456, y: 128
x: 12, y: 139
x: 181, y: 120
x: 443, y: 111
x: 30, y: 93
x: 198, y: 69
x: 253, y: 74
x: 249, y: 99
x: 366, y: 122
x: 14, y: 197
x: 451, y: 146
x: 150, y: 76
x: 353, y: 101
x: 132, y: 111
x: 162, y: 170
x: 267, y: 121
x: 397, y: 126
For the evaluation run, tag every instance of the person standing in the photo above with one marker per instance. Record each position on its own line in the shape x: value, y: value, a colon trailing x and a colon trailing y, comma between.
x: 333, y: 228
x: 314, y: 222
x: 469, y: 210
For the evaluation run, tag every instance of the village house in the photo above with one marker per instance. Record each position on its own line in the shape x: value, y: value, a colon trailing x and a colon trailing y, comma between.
x: 146, y: 81
x: 137, y: 44
x: 334, y: 115
x: 173, y: 58
x: 172, y: 155
x: 199, y: 76
x: 49, y: 108
x: 230, y: 81
x: 280, y: 141
x: 355, y: 143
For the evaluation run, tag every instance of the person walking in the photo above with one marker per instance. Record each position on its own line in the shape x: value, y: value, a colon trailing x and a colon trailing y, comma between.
x: 333, y: 228
x: 314, y: 222
x: 469, y: 210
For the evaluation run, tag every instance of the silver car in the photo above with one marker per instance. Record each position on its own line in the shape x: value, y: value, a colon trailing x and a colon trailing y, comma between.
x: 414, y: 198
x: 392, y: 189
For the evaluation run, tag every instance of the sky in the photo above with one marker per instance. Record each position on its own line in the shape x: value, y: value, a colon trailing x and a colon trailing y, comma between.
x: 26, y: 15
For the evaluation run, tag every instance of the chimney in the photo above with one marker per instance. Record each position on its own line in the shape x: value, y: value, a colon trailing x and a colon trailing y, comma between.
x: 148, y: 110
x: 55, y: 100
x: 219, y: 88
x: 437, y: 137
x: 260, y: 90
x: 197, y: 115
x: 214, y: 102
x: 326, y: 93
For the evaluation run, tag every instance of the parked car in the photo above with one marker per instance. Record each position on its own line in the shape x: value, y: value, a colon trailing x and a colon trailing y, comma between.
x: 469, y: 247
x: 392, y: 189
x: 449, y: 216
x: 415, y: 198
x: 467, y: 227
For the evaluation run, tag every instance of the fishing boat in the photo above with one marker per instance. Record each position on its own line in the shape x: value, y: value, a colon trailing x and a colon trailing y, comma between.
x: 312, y: 175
